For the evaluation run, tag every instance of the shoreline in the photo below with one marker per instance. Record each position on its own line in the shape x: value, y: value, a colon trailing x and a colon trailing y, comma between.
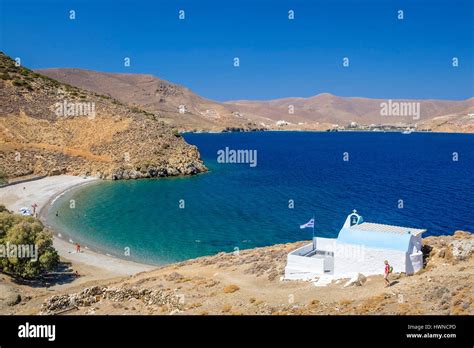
x: 322, y: 131
x: 257, y: 276
x: 46, y: 191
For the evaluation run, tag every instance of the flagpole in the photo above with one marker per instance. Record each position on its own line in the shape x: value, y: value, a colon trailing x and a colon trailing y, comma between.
x: 314, y: 247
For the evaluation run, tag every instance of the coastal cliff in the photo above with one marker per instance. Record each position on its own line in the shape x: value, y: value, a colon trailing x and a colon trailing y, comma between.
x: 51, y: 128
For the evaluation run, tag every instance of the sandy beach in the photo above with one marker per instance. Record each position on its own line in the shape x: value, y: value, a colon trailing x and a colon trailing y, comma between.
x: 227, y: 283
x: 91, y: 265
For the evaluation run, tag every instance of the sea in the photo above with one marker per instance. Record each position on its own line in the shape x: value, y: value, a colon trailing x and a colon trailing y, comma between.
x: 261, y: 186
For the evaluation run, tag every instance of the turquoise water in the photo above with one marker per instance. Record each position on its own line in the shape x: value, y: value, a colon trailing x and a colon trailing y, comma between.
x: 238, y: 206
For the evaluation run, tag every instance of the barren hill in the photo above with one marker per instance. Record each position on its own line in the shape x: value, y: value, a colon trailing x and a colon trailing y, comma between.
x: 328, y: 108
x: 319, y: 112
x: 48, y: 127
x: 170, y: 102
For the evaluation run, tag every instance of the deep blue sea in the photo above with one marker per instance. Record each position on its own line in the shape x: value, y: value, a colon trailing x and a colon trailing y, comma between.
x: 239, y: 206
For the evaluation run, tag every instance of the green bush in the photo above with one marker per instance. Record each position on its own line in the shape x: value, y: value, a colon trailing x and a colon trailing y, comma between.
x: 23, y: 84
x: 16, y: 230
x: 18, y: 83
x: 3, y: 177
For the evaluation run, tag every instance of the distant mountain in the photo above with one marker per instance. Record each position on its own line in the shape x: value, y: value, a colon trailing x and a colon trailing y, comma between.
x: 321, y: 112
x: 48, y: 127
x: 170, y: 102
x: 328, y: 108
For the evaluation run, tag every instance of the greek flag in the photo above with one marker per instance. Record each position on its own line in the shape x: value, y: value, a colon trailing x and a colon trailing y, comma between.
x: 310, y: 223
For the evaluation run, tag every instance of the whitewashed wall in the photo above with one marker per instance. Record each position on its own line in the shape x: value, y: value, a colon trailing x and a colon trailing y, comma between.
x: 303, y: 250
x: 414, y: 262
x: 306, y: 264
x: 415, y: 244
x: 371, y: 263
x: 351, y: 259
x: 302, y: 267
x: 326, y: 244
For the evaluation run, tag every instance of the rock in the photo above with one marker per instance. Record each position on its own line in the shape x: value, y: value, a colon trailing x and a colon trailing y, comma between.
x: 13, y: 299
x: 134, y: 174
x: 57, y: 171
x: 358, y: 280
x: 462, y: 248
x: 89, y: 296
x: 172, y: 171
x: 438, y: 292
x: 462, y: 235
x: 174, y: 276
x: 273, y: 275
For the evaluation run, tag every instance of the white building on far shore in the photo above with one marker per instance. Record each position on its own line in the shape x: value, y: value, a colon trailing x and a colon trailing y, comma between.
x: 361, y: 247
x: 281, y: 123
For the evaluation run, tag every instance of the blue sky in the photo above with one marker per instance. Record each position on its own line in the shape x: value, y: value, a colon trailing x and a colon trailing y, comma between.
x: 389, y: 58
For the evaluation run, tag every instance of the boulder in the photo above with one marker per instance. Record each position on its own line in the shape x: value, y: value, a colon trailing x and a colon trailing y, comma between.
x: 13, y: 299
x: 462, y: 249
x: 357, y: 280
x: 92, y: 295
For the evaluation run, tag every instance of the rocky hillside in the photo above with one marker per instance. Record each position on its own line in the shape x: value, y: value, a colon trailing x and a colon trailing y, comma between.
x: 328, y: 108
x: 171, y: 103
x: 249, y: 282
x: 49, y: 128
x: 454, y: 122
x: 319, y: 112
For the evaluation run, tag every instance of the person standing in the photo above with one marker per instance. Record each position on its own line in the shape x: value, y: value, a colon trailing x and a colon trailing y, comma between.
x: 34, y: 206
x: 388, y: 270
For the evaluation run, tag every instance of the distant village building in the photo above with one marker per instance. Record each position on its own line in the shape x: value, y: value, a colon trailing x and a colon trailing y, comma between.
x: 361, y: 247
x: 282, y: 123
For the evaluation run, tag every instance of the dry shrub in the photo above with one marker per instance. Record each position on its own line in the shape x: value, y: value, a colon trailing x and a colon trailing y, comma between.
x: 457, y: 310
x: 229, y: 289
x: 403, y: 308
x: 195, y: 305
x: 226, y: 308
x: 372, y: 304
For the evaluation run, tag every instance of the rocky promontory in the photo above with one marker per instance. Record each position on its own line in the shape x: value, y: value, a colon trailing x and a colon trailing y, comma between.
x: 51, y: 128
